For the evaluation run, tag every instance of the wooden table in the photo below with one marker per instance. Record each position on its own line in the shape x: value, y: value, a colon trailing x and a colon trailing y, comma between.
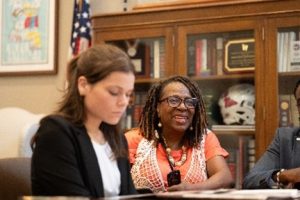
x: 221, y: 194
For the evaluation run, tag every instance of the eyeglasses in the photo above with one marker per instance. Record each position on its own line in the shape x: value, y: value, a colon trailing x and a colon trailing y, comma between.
x: 175, y: 101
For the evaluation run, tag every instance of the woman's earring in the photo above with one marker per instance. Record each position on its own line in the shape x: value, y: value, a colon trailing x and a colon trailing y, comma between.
x: 191, y: 128
x: 159, y: 124
x: 156, y: 134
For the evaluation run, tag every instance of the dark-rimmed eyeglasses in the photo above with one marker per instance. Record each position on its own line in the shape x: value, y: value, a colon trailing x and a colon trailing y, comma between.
x: 175, y: 101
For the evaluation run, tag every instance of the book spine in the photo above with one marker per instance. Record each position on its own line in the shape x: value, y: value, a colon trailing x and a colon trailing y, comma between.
x: 147, y: 61
x: 204, y: 67
x: 212, y: 56
x: 198, y: 57
x: 162, y: 55
x: 285, y: 51
x: 295, y: 55
x: 151, y: 46
x: 288, y: 51
x: 128, y: 121
x: 208, y: 103
x: 232, y: 163
x: 136, y: 109
x: 279, y: 35
x: 191, y: 57
x: 243, y: 160
x: 220, y: 57
x: 281, y: 54
x: 156, y: 59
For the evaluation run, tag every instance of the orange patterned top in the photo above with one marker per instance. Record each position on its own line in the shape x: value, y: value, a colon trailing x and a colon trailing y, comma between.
x: 151, y: 166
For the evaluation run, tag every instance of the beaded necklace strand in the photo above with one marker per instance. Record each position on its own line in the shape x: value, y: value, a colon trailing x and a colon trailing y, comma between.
x: 170, y: 157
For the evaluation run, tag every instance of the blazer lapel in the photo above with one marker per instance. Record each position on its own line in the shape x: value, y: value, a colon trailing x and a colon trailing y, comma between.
x: 124, y: 176
x: 296, y: 148
x: 90, y: 163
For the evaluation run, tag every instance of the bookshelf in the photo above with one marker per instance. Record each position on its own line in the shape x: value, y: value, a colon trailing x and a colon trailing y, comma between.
x: 221, y: 29
x: 239, y: 141
x: 234, y: 129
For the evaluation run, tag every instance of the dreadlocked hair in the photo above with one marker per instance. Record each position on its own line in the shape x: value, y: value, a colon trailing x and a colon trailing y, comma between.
x: 149, y: 118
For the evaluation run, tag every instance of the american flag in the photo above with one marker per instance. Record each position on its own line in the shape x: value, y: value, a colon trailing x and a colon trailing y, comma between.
x: 81, y: 29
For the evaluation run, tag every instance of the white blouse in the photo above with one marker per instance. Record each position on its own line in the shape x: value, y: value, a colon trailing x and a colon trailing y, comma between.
x: 110, y: 173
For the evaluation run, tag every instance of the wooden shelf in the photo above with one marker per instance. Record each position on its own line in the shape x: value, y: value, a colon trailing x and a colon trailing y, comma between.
x: 224, y: 77
x: 233, y: 130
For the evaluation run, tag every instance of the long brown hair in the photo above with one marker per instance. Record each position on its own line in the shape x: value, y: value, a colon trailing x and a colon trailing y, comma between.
x: 149, y: 117
x: 95, y: 64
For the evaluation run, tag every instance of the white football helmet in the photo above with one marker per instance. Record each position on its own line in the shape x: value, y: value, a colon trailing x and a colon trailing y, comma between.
x: 237, y: 105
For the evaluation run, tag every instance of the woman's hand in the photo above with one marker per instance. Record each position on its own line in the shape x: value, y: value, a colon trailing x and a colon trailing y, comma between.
x: 180, y: 187
x: 219, y: 176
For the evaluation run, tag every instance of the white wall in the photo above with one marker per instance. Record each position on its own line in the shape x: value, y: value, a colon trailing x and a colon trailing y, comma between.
x: 111, y: 6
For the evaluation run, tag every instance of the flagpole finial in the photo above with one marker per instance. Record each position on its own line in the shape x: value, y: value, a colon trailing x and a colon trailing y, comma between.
x: 80, y: 5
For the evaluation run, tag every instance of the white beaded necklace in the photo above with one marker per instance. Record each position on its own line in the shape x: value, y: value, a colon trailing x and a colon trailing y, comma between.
x: 170, y: 157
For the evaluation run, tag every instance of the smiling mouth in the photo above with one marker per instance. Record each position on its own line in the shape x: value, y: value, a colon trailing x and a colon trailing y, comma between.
x: 181, y: 119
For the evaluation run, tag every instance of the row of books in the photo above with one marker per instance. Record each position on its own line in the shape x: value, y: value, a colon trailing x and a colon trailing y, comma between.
x: 241, y: 159
x: 158, y: 64
x: 288, y: 51
x: 288, y: 111
x: 210, y: 98
x: 132, y: 116
x: 205, y: 56
x: 239, y: 141
x: 147, y: 55
x: 154, y: 67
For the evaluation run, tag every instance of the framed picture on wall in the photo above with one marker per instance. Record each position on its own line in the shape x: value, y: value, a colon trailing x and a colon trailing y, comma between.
x: 28, y: 37
x: 139, y: 53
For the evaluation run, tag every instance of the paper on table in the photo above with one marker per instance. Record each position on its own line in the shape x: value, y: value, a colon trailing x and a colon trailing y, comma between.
x: 234, y: 194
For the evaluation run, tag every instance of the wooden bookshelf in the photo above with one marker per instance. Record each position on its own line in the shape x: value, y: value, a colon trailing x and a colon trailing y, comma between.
x: 234, y: 130
x: 176, y: 24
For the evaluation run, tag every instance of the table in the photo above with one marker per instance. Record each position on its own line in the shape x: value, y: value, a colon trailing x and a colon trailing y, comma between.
x: 221, y: 194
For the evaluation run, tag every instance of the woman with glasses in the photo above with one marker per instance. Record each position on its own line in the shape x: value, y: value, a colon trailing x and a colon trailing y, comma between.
x: 172, y: 149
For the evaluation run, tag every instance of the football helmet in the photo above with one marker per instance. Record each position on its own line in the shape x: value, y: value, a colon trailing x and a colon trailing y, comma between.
x: 237, y: 105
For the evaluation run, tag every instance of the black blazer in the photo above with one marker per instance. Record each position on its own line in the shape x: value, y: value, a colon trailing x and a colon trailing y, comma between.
x: 64, y: 162
x: 282, y: 153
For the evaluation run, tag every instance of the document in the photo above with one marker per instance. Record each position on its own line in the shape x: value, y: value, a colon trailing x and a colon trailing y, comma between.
x: 234, y: 194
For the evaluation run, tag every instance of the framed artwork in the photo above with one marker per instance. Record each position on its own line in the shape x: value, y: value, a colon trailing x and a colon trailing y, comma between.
x: 28, y: 37
x: 139, y: 53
